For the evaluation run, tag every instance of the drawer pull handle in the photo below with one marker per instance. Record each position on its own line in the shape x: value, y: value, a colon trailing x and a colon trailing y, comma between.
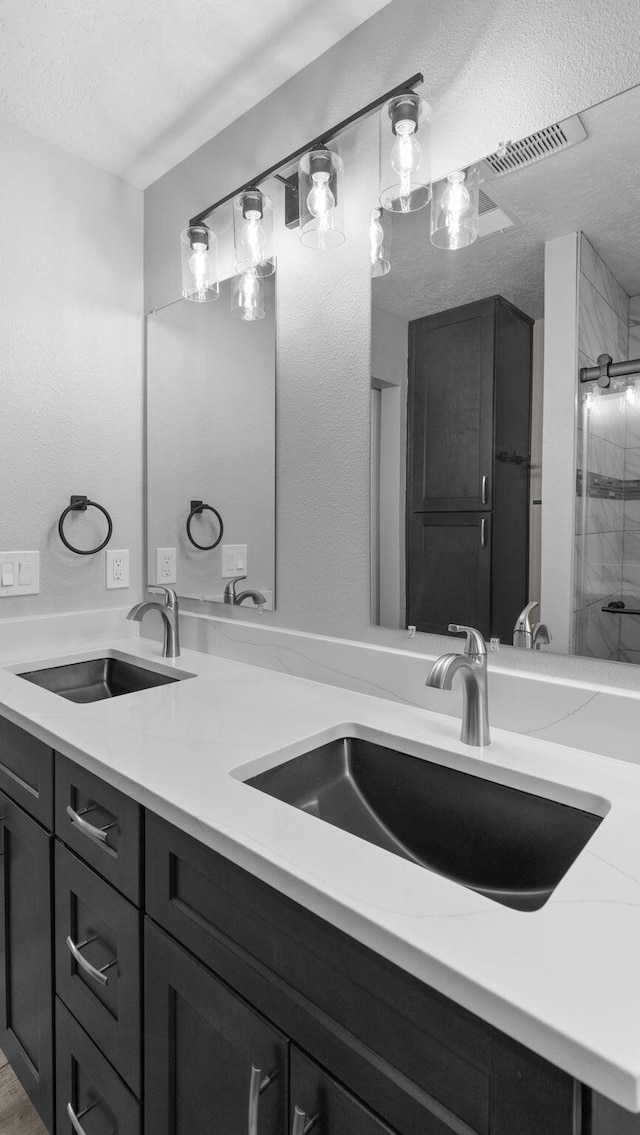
x: 483, y: 533
x: 85, y: 826
x: 257, y: 1085
x: 301, y: 1125
x: 99, y: 975
x: 75, y: 1119
x: 484, y: 490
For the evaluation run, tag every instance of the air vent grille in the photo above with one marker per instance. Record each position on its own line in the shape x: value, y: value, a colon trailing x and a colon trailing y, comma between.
x: 494, y: 216
x: 537, y: 146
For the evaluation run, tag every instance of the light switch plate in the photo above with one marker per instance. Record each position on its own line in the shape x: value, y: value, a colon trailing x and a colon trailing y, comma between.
x: 234, y: 560
x: 117, y: 561
x: 26, y: 568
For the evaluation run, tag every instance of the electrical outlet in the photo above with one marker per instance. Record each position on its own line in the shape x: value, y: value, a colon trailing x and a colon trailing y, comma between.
x: 117, y: 568
x: 166, y: 566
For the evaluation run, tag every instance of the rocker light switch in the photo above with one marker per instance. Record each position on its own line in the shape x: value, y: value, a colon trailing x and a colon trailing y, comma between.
x: 6, y: 575
x: 19, y: 573
x: 234, y: 560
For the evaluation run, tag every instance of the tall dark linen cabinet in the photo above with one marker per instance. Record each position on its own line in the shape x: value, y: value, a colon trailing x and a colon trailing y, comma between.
x: 469, y: 425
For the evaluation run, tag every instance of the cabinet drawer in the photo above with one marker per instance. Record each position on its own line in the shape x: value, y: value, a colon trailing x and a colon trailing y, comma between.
x: 26, y: 771
x: 101, y: 824
x: 87, y: 1084
x: 207, y: 1052
x: 99, y: 980
x: 316, y: 1097
x: 26, y: 984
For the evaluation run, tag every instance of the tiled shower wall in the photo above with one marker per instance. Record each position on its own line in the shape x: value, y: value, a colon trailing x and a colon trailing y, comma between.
x: 608, y: 516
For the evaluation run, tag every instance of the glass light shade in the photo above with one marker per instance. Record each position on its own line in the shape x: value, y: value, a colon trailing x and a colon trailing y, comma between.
x: 454, y: 209
x: 321, y: 195
x: 253, y: 233
x: 199, y: 250
x: 247, y: 297
x: 380, y: 242
x: 405, y: 154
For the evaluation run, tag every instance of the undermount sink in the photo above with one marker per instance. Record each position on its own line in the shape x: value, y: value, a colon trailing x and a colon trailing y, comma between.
x: 98, y: 679
x: 512, y: 846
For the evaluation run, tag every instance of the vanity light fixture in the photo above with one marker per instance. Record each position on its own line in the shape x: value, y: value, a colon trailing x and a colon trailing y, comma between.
x: 454, y: 209
x: 320, y: 191
x: 379, y: 243
x: 247, y: 296
x: 405, y: 153
x: 199, y: 249
x: 253, y: 232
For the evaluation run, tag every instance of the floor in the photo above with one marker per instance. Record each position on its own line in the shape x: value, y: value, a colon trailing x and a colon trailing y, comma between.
x: 17, y: 1117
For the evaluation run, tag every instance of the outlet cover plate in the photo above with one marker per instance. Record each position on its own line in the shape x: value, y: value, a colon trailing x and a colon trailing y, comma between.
x: 117, y: 561
x: 166, y: 565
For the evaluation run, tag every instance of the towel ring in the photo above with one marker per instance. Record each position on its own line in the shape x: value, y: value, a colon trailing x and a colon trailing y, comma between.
x: 196, y: 508
x: 81, y: 504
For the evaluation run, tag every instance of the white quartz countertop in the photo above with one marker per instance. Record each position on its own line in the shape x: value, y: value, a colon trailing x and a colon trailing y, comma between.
x: 564, y: 980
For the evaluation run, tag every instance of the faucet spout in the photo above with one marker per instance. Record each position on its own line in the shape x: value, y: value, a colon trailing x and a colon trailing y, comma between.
x: 472, y: 668
x: 170, y: 615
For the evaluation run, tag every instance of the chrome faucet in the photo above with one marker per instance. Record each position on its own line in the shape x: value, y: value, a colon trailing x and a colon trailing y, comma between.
x: 231, y: 597
x: 170, y: 614
x: 472, y: 667
x: 530, y: 636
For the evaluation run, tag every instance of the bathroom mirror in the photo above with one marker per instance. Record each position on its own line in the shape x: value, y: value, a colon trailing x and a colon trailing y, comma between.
x: 497, y: 477
x: 210, y: 420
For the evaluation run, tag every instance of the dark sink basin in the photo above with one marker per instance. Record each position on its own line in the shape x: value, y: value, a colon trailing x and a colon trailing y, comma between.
x: 507, y: 844
x: 98, y: 679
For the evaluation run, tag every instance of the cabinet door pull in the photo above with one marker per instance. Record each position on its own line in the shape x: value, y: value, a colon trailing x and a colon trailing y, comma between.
x: 99, y: 975
x: 483, y: 533
x: 75, y: 1119
x: 86, y: 827
x: 484, y: 490
x: 301, y: 1125
x: 257, y: 1085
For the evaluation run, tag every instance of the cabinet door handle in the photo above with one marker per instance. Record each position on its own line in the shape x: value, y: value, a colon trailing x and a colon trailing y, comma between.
x: 86, y: 827
x: 99, y: 975
x: 257, y: 1085
x: 301, y: 1125
x: 483, y: 533
x: 75, y: 1119
x: 484, y: 490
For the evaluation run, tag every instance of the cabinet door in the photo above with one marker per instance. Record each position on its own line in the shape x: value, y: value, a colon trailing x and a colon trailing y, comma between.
x: 451, y: 373
x: 320, y: 1104
x: 26, y: 988
x: 212, y: 1064
x: 449, y: 571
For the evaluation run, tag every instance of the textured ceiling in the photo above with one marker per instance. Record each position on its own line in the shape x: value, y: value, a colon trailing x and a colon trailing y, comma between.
x: 134, y: 86
x: 594, y: 187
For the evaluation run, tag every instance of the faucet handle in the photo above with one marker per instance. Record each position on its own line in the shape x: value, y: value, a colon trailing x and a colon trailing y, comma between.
x: 230, y: 589
x: 523, y: 622
x: 475, y: 645
x: 170, y: 597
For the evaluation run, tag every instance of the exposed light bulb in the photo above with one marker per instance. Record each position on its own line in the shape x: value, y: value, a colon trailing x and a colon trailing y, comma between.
x: 376, y: 236
x: 200, y: 268
x: 253, y: 238
x: 321, y: 203
x: 406, y: 159
x: 248, y: 297
x: 455, y: 202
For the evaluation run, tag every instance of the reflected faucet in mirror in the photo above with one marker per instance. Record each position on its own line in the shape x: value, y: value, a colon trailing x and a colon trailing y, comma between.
x: 472, y: 667
x: 235, y: 600
x: 530, y: 636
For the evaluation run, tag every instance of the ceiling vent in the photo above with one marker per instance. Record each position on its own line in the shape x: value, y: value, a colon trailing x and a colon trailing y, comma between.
x: 493, y: 216
x: 542, y: 144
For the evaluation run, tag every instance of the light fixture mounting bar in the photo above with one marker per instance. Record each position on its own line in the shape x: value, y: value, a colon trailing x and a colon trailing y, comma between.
x: 315, y: 143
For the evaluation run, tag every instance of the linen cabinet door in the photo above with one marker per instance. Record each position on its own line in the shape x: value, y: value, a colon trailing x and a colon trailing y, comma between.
x: 212, y: 1064
x: 26, y: 988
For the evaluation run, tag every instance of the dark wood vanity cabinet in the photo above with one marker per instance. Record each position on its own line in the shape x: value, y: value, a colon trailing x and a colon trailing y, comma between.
x: 242, y: 988
x: 469, y: 417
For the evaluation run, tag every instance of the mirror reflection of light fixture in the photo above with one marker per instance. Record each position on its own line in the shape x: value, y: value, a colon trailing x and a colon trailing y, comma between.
x: 253, y: 233
x: 454, y: 209
x: 199, y: 249
x: 405, y: 154
x: 379, y: 243
x: 247, y: 297
x: 321, y: 199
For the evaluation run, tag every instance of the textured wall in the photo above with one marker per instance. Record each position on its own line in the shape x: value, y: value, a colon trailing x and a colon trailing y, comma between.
x: 70, y: 366
x: 494, y: 71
